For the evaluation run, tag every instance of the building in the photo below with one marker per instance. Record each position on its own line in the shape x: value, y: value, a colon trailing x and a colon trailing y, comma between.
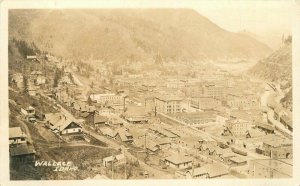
x: 237, y: 127
x: 107, y: 99
x: 213, y: 170
x: 21, y: 153
x: 100, y: 121
x: 59, y: 123
x: 287, y: 121
x: 205, y: 103
x: 281, y: 148
x: 124, y: 135
x: 168, y: 104
x: 242, y: 101
x: 115, y: 160
x: 29, y: 114
x: 197, y: 118
x: 238, y: 161
x: 31, y: 57
x: 179, y: 161
x: 213, y: 91
x: 29, y: 111
x: 135, y: 114
x: 271, y: 168
x: 269, y: 129
x: 17, y: 136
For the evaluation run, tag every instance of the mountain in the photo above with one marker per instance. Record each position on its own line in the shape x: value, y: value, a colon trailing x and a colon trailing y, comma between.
x: 131, y: 34
x: 276, y: 67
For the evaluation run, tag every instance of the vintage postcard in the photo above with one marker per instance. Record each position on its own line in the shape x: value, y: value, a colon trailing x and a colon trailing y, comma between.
x: 194, y: 91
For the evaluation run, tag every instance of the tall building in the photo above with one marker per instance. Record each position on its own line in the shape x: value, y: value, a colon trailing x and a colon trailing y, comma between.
x: 237, y: 127
x: 213, y: 91
x: 168, y: 104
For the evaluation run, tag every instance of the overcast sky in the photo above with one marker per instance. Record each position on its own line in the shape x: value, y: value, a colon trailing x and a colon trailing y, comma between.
x: 268, y: 19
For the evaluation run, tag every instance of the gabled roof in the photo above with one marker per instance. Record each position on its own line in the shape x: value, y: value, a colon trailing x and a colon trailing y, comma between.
x: 108, y: 131
x: 238, y: 159
x: 15, y: 132
x: 124, y: 135
x: 216, y: 169
x: 179, y: 159
x: 21, y: 149
x: 288, y: 120
x: 100, y: 119
x: 120, y: 157
x: 197, y: 171
x: 255, y: 133
x: 265, y: 126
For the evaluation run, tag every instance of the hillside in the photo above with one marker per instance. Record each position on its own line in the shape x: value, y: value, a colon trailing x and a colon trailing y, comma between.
x: 131, y: 34
x: 276, y: 67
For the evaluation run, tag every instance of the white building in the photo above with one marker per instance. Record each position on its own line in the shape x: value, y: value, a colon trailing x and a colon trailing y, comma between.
x: 107, y: 99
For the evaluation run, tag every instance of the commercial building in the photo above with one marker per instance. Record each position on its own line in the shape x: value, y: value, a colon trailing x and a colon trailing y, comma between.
x: 107, y: 99
x: 205, y: 103
x: 271, y: 168
x: 237, y: 127
x: 168, y: 104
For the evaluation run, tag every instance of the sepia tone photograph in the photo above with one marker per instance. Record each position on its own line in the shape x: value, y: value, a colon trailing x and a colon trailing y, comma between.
x: 151, y: 93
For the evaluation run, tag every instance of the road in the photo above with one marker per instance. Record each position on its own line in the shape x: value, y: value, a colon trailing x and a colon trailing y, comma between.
x: 270, y: 114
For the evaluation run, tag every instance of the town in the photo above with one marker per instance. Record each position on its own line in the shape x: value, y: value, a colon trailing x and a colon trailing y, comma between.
x: 132, y: 122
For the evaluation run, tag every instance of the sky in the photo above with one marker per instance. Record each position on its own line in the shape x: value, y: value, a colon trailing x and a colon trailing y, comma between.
x: 266, y: 19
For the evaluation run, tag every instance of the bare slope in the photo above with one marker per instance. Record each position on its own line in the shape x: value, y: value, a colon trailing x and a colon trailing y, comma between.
x: 134, y: 34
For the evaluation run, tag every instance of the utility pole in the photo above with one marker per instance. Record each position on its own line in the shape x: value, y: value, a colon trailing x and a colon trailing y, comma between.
x: 125, y: 172
x: 193, y: 166
x: 59, y: 136
x: 112, y: 168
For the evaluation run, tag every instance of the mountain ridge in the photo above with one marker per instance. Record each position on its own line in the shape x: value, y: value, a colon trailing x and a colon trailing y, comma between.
x: 132, y: 34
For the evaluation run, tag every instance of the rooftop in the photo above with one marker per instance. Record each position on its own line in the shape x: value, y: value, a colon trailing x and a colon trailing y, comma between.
x: 179, y: 159
x: 15, y: 132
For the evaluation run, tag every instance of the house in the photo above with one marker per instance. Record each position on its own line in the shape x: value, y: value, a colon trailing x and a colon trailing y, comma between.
x: 124, y: 135
x: 237, y: 161
x: 59, y: 123
x: 179, y: 161
x: 115, y: 122
x: 269, y: 129
x: 135, y: 114
x: 100, y: 121
x: 16, y: 136
x: 116, y: 160
x: 28, y: 111
x: 287, y: 121
x: 225, y: 157
x: 152, y: 146
x: 21, y: 153
x: 212, y: 170
x: 254, y: 133
x: 31, y: 57
x: 106, y: 131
